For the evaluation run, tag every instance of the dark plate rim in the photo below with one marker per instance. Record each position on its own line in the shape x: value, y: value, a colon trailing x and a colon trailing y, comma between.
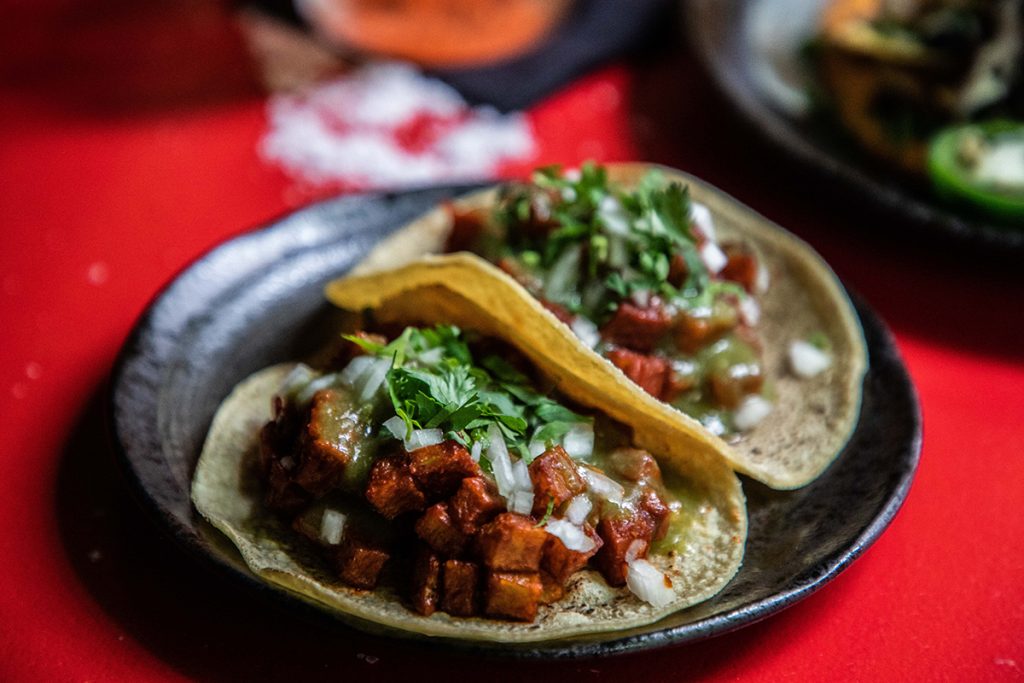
x: 930, y: 218
x: 803, y: 586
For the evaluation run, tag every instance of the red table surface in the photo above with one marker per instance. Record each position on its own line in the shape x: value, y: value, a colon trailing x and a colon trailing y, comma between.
x: 125, y: 155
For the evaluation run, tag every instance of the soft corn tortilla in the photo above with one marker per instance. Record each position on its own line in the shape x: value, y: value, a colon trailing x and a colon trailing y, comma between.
x: 227, y: 492
x: 812, y: 419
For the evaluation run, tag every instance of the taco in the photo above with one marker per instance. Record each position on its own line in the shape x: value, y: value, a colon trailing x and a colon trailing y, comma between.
x: 897, y: 73
x: 710, y: 318
x: 432, y: 481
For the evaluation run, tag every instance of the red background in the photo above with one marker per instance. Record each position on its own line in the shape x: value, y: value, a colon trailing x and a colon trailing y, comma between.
x: 127, y: 148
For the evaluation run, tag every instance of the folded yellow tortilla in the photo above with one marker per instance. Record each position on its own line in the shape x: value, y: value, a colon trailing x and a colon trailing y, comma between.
x: 404, y: 278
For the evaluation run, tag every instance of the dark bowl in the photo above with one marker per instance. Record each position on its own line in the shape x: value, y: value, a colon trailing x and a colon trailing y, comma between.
x: 257, y: 300
x: 751, y: 49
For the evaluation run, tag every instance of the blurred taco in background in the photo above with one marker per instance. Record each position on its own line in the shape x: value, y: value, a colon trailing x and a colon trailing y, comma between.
x: 433, y: 480
x: 708, y: 314
x: 903, y: 76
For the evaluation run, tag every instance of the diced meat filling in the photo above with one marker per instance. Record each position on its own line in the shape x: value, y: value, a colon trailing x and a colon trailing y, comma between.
x: 636, y: 328
x: 392, y: 489
x: 426, y: 581
x: 439, y: 469
x: 359, y: 563
x: 555, y: 479
x: 741, y: 267
x: 474, y: 504
x: 561, y: 563
x: 326, y: 444
x: 473, y: 556
x: 650, y: 372
x: 618, y: 534
x: 693, y: 332
x: 460, y: 580
x: 438, y: 530
x: 512, y: 595
x: 511, y: 542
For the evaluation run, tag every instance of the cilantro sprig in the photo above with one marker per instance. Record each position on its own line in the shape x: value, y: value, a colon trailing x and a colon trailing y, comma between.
x: 434, y: 382
x: 628, y: 239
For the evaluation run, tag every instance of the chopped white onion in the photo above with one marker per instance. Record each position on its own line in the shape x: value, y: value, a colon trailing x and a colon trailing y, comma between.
x: 568, y: 194
x: 578, y: 442
x: 578, y: 509
x: 641, y: 297
x: 475, y: 451
x: 536, y: 448
x: 396, y: 426
x: 714, y: 258
x: 603, y: 486
x: 750, y: 412
x: 572, y: 536
x: 521, y: 474
x: 763, y: 279
x: 701, y: 217
x: 431, y: 356
x: 649, y: 584
x: 521, y: 501
x: 299, y: 377
x: 564, y: 274
x: 354, y: 371
x: 586, y: 331
x: 633, y: 551
x: 501, y: 464
x: 316, y: 385
x: 613, y: 215
x: 807, y: 360
x: 332, y: 524
x: 373, y: 379
x: 750, y: 310
x: 421, y: 438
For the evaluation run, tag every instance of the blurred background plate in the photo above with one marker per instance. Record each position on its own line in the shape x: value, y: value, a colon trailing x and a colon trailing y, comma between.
x: 258, y: 300
x: 752, y: 50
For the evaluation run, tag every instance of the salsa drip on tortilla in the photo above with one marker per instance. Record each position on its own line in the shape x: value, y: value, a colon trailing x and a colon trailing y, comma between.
x: 640, y: 277
x: 444, y: 469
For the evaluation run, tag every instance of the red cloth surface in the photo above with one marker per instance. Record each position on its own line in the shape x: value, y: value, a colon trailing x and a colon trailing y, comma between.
x: 124, y: 155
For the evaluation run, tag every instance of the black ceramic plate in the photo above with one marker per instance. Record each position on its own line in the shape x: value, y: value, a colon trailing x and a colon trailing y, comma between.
x: 751, y: 49
x: 257, y: 299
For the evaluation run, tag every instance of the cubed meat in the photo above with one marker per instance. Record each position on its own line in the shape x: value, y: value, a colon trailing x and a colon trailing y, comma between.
x: 460, y: 580
x: 426, y: 581
x: 327, y: 442
x: 438, y: 530
x: 474, y: 504
x: 392, y: 490
x: 650, y: 372
x: 634, y: 464
x: 678, y: 271
x: 693, y: 333
x: 512, y: 595
x: 282, y: 493
x: 466, y: 229
x: 512, y: 543
x: 439, y: 469
x: 636, y: 328
x: 680, y: 378
x: 741, y: 266
x: 618, y: 534
x: 730, y: 385
x: 277, y: 462
x: 555, y: 479
x: 560, y: 562
x: 359, y: 563
x: 552, y: 590
x: 657, y: 509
